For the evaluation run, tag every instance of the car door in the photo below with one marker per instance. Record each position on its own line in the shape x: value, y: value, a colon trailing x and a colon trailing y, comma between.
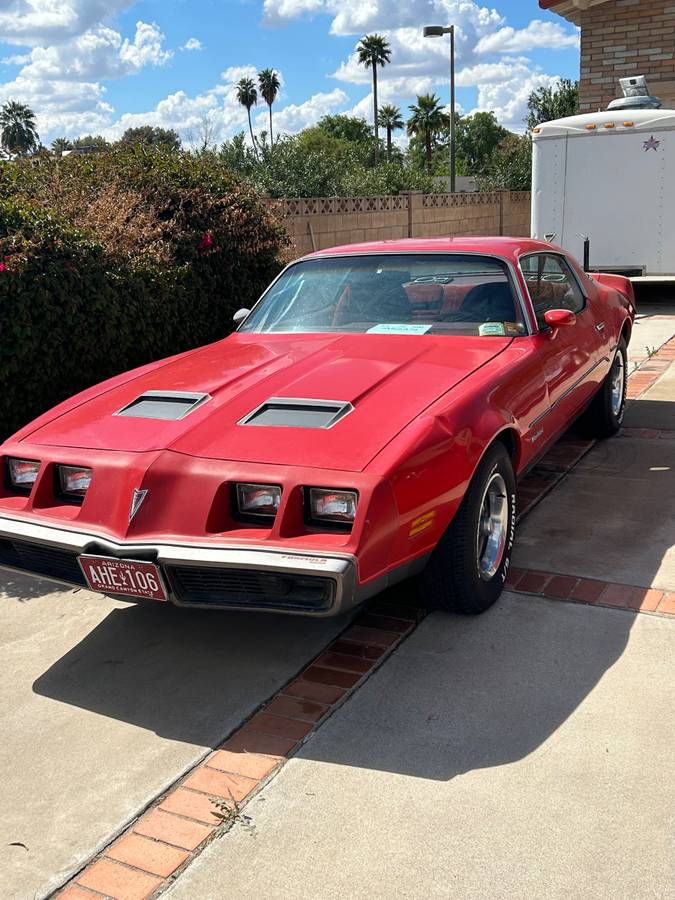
x: 570, y: 355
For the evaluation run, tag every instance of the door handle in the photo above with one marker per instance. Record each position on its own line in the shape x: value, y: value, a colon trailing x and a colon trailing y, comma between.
x: 600, y: 326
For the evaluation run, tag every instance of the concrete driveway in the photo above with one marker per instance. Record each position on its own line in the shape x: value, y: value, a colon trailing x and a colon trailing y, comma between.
x: 526, y: 753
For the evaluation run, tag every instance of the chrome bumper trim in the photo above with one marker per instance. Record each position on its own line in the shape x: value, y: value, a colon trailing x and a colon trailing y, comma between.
x: 342, y: 569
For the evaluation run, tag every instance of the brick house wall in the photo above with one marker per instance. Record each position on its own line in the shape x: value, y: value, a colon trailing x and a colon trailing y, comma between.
x: 620, y: 38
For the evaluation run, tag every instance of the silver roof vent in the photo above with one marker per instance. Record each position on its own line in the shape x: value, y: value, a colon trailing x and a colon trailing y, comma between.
x: 636, y: 95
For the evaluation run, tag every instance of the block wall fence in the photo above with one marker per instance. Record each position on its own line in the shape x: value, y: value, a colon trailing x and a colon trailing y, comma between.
x: 318, y: 223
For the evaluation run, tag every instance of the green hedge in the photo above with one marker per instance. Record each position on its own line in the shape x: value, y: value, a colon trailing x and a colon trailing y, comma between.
x: 108, y: 262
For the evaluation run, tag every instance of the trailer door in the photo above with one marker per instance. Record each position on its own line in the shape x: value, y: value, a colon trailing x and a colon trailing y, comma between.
x: 615, y: 195
x: 549, y: 164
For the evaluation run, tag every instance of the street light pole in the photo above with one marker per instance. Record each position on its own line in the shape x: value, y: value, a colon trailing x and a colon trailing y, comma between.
x: 439, y: 31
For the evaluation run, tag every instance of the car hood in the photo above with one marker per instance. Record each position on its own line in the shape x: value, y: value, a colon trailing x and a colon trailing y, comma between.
x: 388, y: 379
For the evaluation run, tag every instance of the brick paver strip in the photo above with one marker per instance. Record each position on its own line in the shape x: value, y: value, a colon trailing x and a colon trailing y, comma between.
x: 145, y: 859
x: 114, y: 880
x: 595, y: 593
x: 174, y: 830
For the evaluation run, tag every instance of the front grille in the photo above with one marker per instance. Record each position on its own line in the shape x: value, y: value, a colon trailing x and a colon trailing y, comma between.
x: 243, y: 587
x: 39, y: 559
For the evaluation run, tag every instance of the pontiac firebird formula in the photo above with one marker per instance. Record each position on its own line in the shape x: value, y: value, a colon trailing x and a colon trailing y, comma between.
x: 366, y: 423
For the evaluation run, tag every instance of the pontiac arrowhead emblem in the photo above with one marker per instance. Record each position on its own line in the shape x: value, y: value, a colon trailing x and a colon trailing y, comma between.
x: 136, y: 502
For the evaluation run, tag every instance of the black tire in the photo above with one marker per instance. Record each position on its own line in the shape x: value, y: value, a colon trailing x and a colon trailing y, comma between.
x: 452, y: 579
x: 604, y: 416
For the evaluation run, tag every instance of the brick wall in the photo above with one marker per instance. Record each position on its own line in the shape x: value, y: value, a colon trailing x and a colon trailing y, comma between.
x: 621, y: 38
x: 318, y: 223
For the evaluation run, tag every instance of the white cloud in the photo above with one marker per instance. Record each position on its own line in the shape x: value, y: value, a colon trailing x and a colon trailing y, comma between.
x: 146, y: 48
x: 236, y: 73
x: 32, y: 22
x: 99, y: 53
x: 19, y: 59
x: 537, y: 36
x: 296, y: 116
x: 361, y: 16
x: 508, y: 98
x: 193, y: 44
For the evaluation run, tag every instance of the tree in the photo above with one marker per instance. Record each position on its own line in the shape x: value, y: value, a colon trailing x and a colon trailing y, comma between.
x: 478, y: 136
x: 390, y: 118
x: 426, y: 121
x: 153, y: 136
x: 91, y: 142
x: 247, y: 95
x: 373, y: 51
x: 353, y: 129
x: 269, y: 88
x: 18, y: 133
x: 510, y: 167
x: 61, y: 144
x: 548, y: 103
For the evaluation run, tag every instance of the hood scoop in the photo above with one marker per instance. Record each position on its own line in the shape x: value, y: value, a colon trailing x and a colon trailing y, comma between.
x: 168, y: 405
x: 286, y: 412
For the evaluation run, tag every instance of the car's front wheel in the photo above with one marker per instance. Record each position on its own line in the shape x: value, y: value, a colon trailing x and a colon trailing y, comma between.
x: 468, y: 568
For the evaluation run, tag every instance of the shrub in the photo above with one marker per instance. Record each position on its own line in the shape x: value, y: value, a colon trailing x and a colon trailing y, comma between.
x: 150, y: 253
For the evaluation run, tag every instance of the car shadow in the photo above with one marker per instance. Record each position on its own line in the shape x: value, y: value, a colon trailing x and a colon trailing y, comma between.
x: 465, y: 694
x: 183, y: 674
x: 22, y: 588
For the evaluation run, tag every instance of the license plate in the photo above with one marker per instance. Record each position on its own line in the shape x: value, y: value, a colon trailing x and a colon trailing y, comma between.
x: 125, y: 577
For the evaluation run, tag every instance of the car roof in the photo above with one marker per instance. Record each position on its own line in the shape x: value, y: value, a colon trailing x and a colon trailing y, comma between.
x: 507, y: 247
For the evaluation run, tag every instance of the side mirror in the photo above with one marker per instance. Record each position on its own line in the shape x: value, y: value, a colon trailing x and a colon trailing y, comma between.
x: 240, y: 315
x: 559, y: 318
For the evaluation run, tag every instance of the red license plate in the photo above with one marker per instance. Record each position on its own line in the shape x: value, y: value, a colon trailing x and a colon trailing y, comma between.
x: 125, y: 577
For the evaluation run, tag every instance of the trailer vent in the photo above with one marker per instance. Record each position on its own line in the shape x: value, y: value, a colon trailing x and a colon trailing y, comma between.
x: 169, y: 405
x: 283, y: 412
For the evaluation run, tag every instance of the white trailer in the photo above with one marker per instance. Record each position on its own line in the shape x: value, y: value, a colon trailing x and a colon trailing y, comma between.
x: 609, y: 177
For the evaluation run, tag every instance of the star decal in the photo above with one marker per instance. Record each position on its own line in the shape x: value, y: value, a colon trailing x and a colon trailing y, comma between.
x: 651, y: 144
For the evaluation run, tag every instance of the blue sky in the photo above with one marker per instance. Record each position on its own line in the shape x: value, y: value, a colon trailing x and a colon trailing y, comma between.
x: 103, y: 65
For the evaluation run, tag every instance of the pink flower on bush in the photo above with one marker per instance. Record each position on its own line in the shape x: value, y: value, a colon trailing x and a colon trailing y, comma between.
x: 2, y: 267
x: 206, y: 242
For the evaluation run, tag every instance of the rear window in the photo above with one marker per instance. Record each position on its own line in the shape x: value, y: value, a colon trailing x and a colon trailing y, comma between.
x: 392, y: 294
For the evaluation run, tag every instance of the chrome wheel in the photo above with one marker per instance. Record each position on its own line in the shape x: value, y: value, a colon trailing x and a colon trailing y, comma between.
x: 493, y: 523
x: 618, y: 382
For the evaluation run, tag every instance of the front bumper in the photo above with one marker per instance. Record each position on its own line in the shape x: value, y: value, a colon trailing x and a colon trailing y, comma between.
x: 234, y: 577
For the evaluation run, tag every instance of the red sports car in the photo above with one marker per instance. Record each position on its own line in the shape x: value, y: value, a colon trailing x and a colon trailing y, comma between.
x: 367, y: 422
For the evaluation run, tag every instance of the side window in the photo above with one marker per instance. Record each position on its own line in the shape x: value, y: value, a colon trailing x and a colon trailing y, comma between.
x: 551, y: 285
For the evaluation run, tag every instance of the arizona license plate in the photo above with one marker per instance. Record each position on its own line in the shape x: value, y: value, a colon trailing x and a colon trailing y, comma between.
x: 126, y: 577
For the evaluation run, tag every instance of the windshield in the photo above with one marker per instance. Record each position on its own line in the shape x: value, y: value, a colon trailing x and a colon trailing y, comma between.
x: 392, y: 294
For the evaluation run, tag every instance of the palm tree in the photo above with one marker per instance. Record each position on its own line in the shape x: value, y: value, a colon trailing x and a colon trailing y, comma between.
x: 18, y: 133
x: 390, y: 118
x: 247, y: 95
x: 427, y: 120
x: 60, y: 144
x: 269, y: 88
x: 373, y: 51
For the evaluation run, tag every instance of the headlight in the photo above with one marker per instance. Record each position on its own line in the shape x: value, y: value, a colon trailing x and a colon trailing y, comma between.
x: 74, y: 481
x: 258, y: 499
x: 21, y: 473
x: 327, y: 505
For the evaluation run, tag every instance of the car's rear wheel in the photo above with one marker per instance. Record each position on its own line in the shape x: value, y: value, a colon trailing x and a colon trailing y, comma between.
x: 604, y: 416
x: 468, y: 568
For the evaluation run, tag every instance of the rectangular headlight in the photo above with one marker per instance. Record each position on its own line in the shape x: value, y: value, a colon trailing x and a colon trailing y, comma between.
x: 22, y: 473
x: 326, y: 505
x: 258, y: 499
x: 74, y: 481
